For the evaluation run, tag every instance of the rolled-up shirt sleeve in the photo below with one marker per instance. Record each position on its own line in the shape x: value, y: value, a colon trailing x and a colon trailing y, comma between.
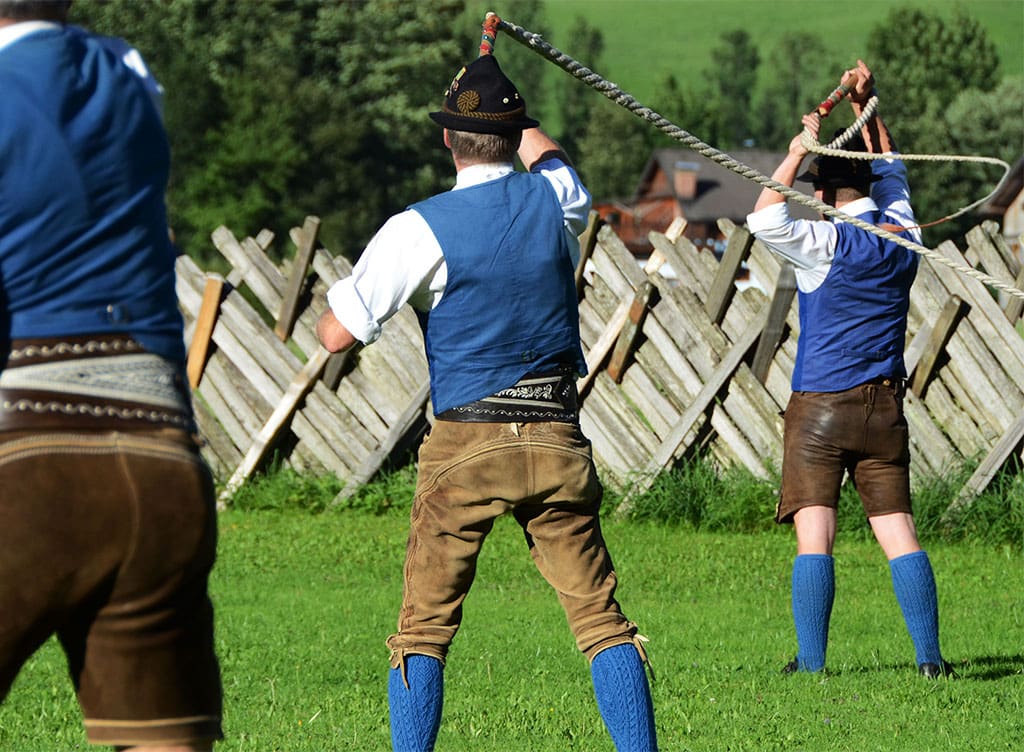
x: 402, y: 264
x: 805, y: 243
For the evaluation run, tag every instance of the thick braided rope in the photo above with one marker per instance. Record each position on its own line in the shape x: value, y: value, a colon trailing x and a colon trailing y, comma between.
x: 617, y: 95
x: 834, y: 148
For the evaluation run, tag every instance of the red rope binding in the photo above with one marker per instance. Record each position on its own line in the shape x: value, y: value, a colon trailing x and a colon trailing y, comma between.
x: 490, y: 32
x: 833, y: 99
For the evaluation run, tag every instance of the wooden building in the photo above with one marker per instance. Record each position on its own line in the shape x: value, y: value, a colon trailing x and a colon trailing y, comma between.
x: 681, y: 183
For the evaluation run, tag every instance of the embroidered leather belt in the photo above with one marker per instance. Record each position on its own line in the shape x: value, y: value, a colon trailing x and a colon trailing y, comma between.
x: 99, y: 383
x: 549, y: 396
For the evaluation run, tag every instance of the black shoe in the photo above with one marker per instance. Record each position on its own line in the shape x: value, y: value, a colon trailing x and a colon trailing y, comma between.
x: 934, y: 670
x: 791, y: 668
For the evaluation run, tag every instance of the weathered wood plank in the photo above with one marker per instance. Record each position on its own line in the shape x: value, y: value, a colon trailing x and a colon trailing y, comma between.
x: 626, y: 342
x: 782, y: 302
x: 723, y: 287
x: 206, y: 318
x: 284, y: 411
x: 674, y: 443
x: 989, y: 466
x: 941, y: 332
x: 305, y: 243
x: 588, y: 240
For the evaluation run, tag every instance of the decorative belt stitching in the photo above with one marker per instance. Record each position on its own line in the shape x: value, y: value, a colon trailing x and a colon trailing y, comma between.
x: 142, y: 377
x: 62, y: 350
x: 549, y: 396
x: 107, y: 380
x: 92, y: 410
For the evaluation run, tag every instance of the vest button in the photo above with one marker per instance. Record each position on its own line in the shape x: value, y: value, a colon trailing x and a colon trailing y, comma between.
x: 117, y: 314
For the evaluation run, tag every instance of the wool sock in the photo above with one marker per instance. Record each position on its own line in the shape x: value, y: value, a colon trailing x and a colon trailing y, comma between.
x: 416, y: 710
x: 624, y: 698
x: 814, y: 590
x: 914, y: 584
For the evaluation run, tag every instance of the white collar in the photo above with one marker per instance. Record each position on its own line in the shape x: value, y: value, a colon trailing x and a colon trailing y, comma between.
x: 481, y: 173
x: 14, y: 32
x: 858, y: 207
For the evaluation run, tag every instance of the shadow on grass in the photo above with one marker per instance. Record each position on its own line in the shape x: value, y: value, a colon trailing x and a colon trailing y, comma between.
x: 992, y: 667
x: 981, y: 668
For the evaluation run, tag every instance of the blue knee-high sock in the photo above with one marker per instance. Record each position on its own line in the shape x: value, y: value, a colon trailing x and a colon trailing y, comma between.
x: 624, y: 698
x: 416, y: 710
x: 914, y: 584
x: 814, y: 590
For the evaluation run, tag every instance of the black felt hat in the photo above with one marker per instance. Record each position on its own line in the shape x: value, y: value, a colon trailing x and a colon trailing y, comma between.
x: 840, y: 172
x: 481, y: 99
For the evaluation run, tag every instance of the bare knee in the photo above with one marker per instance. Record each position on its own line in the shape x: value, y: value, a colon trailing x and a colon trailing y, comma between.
x: 895, y: 533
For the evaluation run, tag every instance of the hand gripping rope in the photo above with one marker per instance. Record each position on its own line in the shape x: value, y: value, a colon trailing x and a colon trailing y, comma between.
x: 834, y: 149
x: 617, y: 95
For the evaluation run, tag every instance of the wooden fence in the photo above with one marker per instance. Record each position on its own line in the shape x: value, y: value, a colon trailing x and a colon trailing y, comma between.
x: 680, y: 363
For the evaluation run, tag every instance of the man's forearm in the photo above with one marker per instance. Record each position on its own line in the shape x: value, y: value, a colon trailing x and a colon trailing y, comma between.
x: 535, y: 144
x: 786, y: 174
x: 332, y: 333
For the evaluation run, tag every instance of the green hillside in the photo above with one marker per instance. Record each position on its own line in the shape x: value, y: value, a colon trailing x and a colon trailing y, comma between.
x: 645, y: 39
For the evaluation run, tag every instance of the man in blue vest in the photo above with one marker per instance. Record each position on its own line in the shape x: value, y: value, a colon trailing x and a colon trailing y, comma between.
x: 489, y: 267
x: 107, y: 516
x: 846, y: 410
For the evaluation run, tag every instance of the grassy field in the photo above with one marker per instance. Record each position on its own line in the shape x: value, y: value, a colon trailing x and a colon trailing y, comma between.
x: 304, y: 602
x: 647, y: 39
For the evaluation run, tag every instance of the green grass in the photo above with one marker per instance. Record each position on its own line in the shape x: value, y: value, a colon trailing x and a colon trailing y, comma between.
x: 644, y: 40
x: 304, y: 601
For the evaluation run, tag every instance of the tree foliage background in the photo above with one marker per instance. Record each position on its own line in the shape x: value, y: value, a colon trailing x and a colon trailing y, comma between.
x: 282, y: 108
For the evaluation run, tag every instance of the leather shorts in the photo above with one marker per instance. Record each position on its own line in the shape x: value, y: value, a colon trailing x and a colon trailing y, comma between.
x: 860, y: 431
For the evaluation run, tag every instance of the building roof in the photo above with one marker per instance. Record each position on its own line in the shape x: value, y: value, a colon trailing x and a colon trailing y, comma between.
x: 720, y: 192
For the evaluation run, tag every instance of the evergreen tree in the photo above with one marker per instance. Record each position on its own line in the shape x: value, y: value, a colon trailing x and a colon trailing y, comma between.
x: 923, y: 64
x: 576, y: 101
x: 733, y: 78
x: 615, y: 146
x: 284, y: 108
x: 801, y: 74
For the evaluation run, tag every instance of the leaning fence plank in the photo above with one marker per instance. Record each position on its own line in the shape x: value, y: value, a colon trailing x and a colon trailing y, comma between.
x: 300, y: 385
x: 782, y: 301
x: 628, y: 336
x: 305, y: 242
x: 674, y: 442
x: 941, y: 332
x: 724, y: 285
x: 587, y: 243
x: 988, y: 468
x: 372, y: 463
x: 206, y: 319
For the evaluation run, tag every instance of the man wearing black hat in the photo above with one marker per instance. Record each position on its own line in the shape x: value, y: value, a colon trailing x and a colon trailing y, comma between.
x: 846, y: 410
x: 489, y: 267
